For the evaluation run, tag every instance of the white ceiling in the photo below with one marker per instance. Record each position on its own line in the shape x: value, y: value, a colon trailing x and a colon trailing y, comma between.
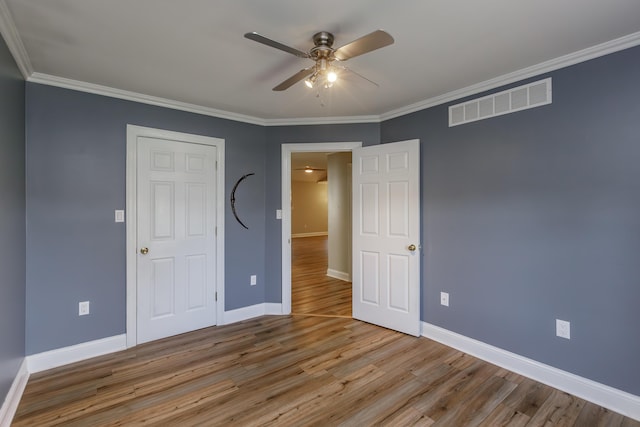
x: 193, y: 51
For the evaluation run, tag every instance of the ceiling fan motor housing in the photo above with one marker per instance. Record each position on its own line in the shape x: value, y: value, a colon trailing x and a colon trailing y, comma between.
x: 323, y: 42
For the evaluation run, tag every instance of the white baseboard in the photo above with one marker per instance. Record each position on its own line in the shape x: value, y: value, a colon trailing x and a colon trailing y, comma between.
x: 245, y: 313
x: 272, y: 308
x: 341, y: 275
x: 314, y: 234
x: 617, y: 400
x: 75, y: 353
x: 10, y: 405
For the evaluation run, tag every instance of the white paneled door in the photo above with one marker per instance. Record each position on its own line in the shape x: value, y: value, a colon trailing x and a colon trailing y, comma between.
x: 386, y: 235
x: 176, y: 237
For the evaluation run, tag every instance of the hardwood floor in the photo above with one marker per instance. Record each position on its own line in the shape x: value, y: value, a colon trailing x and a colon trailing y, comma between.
x: 312, y: 291
x: 305, y: 369
x: 297, y: 370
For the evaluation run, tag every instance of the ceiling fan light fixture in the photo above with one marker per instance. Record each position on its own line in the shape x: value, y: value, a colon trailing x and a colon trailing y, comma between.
x: 311, y: 81
x: 324, y: 54
x: 308, y: 170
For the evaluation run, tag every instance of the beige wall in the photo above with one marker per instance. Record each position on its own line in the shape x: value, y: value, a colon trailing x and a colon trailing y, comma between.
x: 308, y: 208
x: 339, y: 182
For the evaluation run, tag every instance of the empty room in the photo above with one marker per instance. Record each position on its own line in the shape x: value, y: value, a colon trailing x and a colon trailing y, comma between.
x: 338, y: 213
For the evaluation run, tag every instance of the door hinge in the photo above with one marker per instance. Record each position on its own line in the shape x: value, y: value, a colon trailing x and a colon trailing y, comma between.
x: 216, y: 296
x: 216, y: 231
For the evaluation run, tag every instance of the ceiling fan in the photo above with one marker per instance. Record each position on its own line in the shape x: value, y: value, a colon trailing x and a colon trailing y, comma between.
x: 323, y: 71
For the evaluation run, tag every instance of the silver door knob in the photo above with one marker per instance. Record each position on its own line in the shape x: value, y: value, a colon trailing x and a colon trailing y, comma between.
x: 412, y: 247
x: 144, y: 251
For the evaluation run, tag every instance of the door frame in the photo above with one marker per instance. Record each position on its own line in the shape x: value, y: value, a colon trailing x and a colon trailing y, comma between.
x: 133, y: 133
x: 287, y: 150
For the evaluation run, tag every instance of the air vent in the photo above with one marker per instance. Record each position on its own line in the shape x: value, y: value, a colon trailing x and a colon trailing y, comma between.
x: 518, y: 98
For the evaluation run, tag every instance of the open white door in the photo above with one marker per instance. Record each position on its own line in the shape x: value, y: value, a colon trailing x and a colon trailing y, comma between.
x: 386, y: 235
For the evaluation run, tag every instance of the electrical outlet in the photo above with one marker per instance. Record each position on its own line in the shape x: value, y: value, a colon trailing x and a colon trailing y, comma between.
x: 563, y: 329
x: 83, y: 308
x: 254, y: 280
x: 444, y: 299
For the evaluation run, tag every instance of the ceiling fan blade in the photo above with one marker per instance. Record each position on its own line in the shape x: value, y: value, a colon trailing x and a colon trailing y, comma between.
x: 349, y: 70
x: 262, y: 39
x: 294, y: 79
x: 363, y: 45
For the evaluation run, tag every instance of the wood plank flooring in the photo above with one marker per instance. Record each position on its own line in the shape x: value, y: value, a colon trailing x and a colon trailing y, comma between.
x: 297, y: 371
x: 312, y: 291
x: 306, y: 369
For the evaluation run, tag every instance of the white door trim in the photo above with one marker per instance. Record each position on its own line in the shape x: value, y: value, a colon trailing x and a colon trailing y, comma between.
x: 133, y: 132
x: 287, y: 149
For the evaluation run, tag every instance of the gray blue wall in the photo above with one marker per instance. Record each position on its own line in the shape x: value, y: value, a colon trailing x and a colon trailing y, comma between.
x: 527, y: 217
x: 12, y: 225
x: 367, y: 133
x: 535, y: 216
x: 76, y: 152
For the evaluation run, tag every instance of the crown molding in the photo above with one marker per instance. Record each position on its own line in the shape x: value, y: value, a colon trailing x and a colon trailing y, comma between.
x: 14, y: 42
x: 140, y: 97
x: 81, y: 86
x: 322, y: 121
x: 602, y: 49
x: 592, y: 52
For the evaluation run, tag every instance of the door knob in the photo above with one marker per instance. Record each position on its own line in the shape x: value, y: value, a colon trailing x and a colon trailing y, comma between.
x: 412, y: 247
x: 144, y: 251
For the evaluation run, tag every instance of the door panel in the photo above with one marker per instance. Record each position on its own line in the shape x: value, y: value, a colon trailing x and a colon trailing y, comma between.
x: 196, y: 281
x: 196, y: 211
x: 370, y: 274
x: 176, y: 204
x: 386, y: 279
x: 162, y: 287
x: 163, y: 199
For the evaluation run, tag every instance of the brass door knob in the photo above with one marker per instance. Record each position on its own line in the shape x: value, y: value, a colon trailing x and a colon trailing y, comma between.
x: 144, y: 251
x: 412, y: 247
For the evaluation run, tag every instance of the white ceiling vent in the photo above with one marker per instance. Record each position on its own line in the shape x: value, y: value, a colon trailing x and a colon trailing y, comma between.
x: 518, y: 98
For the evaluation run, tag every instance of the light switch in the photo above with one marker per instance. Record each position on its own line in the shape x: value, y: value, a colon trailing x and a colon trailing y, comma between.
x: 119, y: 216
x: 278, y: 213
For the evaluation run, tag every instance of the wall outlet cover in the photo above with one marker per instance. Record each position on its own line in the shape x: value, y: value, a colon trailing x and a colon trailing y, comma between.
x: 563, y: 329
x: 444, y: 299
x: 83, y: 308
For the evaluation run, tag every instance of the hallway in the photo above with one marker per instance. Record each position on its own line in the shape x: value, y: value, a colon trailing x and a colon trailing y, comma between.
x: 312, y: 291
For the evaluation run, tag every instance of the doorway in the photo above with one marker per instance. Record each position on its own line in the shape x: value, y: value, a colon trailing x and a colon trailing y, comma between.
x: 321, y: 234
x: 313, y: 244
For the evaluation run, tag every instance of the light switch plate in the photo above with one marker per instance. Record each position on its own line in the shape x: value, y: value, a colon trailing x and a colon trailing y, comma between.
x: 119, y: 215
x: 278, y: 213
